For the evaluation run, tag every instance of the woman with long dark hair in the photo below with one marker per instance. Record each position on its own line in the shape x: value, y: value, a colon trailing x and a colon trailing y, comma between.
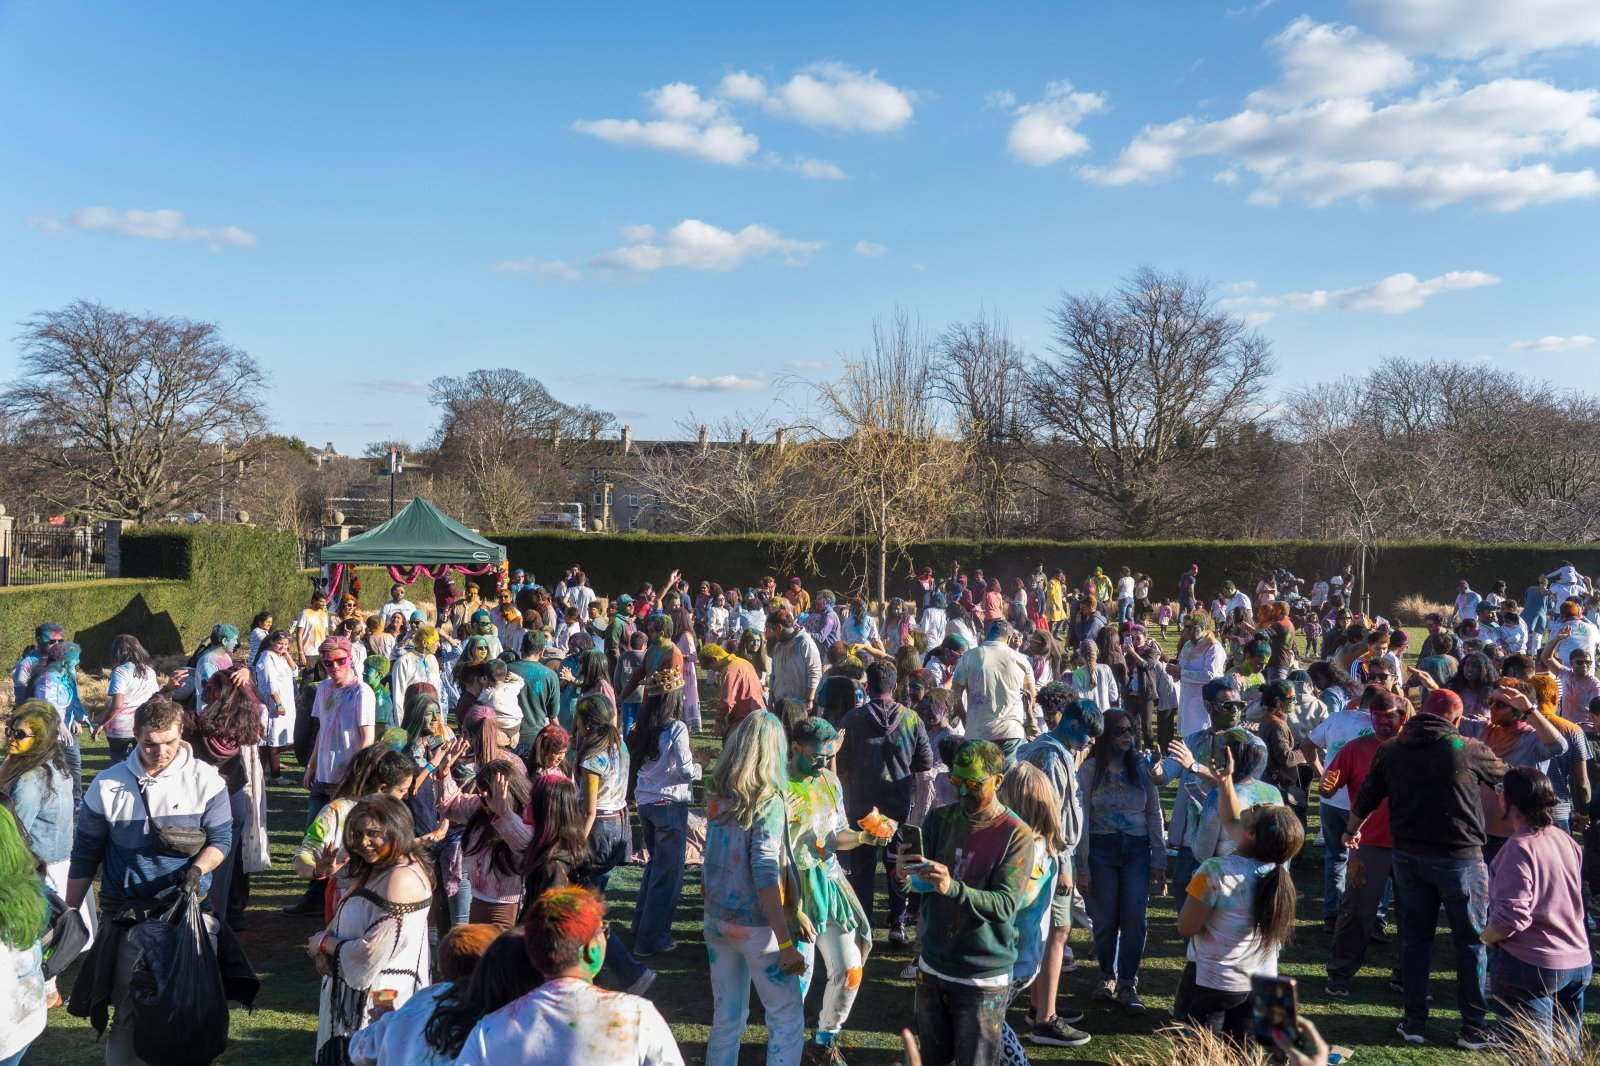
x: 559, y: 845
x: 378, y: 939
x: 226, y: 735
x: 505, y: 973
x: 1474, y: 681
x: 133, y: 680
x: 1238, y: 911
x: 1124, y: 847
x: 494, y: 837
x: 658, y: 747
x: 275, y: 684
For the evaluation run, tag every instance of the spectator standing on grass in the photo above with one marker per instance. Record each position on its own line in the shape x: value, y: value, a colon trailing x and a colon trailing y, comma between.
x: 274, y: 677
x: 36, y: 782
x: 133, y: 680
x: 566, y: 1019
x: 311, y: 629
x: 1321, y: 746
x: 1520, y: 736
x: 1124, y: 848
x: 1074, y: 724
x: 1541, y: 963
x: 1370, y: 861
x: 1578, y: 682
x: 1237, y: 912
x: 977, y: 857
x: 399, y: 1036
x: 885, y: 746
x: 1201, y: 657
x: 996, y: 682
x: 750, y: 935
x: 818, y: 832
x: 659, y: 746
x: 1431, y: 774
x: 796, y: 662
x: 378, y: 938
x: 44, y: 635
x: 1187, y: 763
x: 346, y: 713
x: 160, y: 785
x: 56, y: 683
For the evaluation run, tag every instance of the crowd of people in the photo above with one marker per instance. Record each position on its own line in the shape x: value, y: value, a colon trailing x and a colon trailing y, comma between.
x: 972, y: 771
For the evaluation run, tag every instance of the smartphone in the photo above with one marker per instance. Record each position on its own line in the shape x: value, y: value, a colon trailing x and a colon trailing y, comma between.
x: 911, y: 836
x: 1275, y: 1003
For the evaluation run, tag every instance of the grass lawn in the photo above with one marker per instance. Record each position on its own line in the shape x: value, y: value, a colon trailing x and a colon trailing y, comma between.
x: 282, y: 1028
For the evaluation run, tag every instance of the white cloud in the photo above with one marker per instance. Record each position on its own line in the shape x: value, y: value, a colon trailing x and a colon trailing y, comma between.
x: 696, y: 245
x: 721, y: 142
x: 721, y: 383
x: 163, y: 224
x: 553, y: 269
x: 830, y: 95
x: 1252, y: 319
x: 1447, y: 144
x: 1320, y: 61
x: 1471, y: 29
x: 1393, y: 295
x: 806, y: 167
x: 1552, y: 344
x: 1000, y: 99
x: 806, y: 364
x: 1046, y: 131
x: 1253, y: 9
x: 870, y: 250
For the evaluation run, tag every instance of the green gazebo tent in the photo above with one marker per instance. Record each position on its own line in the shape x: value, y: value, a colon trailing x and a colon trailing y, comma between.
x: 420, y: 535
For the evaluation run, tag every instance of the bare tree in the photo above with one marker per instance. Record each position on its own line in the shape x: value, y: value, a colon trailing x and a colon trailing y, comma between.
x: 1139, y: 396
x: 124, y: 416
x: 507, y: 441
x: 732, y: 482
x: 981, y: 373
x: 880, y: 463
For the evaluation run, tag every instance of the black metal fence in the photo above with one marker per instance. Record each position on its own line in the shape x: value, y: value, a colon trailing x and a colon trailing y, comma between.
x: 46, y: 555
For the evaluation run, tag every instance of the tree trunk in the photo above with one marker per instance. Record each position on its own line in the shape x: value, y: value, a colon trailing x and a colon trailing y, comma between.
x: 883, y: 570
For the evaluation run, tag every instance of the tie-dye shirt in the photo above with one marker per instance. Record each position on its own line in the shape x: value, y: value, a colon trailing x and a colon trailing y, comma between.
x: 739, y: 862
x: 1228, y: 949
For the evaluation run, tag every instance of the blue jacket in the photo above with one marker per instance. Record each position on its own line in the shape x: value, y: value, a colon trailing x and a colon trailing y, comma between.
x: 42, y: 798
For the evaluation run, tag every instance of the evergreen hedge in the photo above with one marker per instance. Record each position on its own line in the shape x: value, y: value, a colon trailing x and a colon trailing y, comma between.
x: 617, y: 562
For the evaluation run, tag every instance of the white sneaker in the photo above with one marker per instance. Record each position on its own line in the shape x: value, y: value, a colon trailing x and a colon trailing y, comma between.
x: 909, y: 971
x: 642, y: 985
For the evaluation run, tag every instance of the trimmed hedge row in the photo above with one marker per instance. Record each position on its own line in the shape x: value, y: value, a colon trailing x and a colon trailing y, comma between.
x: 616, y: 562
x: 178, y: 583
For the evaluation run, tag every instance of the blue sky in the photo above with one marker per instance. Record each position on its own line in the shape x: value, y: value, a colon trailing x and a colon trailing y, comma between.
x: 660, y: 210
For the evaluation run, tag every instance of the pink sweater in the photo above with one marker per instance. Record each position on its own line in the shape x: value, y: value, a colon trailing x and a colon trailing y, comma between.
x: 487, y: 883
x: 1535, y: 894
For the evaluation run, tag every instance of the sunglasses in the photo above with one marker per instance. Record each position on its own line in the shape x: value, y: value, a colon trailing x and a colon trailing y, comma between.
x: 967, y: 784
x: 16, y: 733
x: 335, y: 660
x: 1127, y: 730
x: 1374, y: 675
x: 1504, y: 705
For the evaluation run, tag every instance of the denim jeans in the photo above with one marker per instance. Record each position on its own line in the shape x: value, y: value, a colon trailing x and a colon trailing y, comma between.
x: 665, y: 827
x: 1119, y: 897
x: 742, y: 955
x: 1226, y: 1013
x: 861, y: 870
x: 1335, y: 857
x: 1360, y: 907
x: 1461, y: 886
x: 1542, y: 996
x: 317, y: 797
x: 1008, y: 748
x: 959, y: 1024
x: 608, y: 849
x: 119, y: 747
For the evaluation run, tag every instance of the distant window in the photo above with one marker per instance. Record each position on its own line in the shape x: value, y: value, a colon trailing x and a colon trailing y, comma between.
x: 596, y: 499
x: 633, y: 501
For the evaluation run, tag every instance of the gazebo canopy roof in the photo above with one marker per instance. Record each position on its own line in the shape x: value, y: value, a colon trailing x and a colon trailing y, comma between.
x: 420, y: 534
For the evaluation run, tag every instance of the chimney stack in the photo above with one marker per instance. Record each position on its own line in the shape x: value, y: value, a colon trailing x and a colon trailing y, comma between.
x: 744, y: 437
x: 627, y: 439
x: 780, y: 438
x: 705, y: 440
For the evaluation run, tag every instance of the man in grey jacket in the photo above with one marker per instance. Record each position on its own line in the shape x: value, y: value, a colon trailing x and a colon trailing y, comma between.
x: 796, y: 663
x: 1074, y: 724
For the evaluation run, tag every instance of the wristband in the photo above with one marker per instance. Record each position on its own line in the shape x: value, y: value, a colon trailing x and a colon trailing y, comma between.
x: 322, y: 945
x: 785, y: 945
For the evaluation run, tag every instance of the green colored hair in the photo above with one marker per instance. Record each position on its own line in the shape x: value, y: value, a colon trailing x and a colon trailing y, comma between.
x: 22, y: 906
